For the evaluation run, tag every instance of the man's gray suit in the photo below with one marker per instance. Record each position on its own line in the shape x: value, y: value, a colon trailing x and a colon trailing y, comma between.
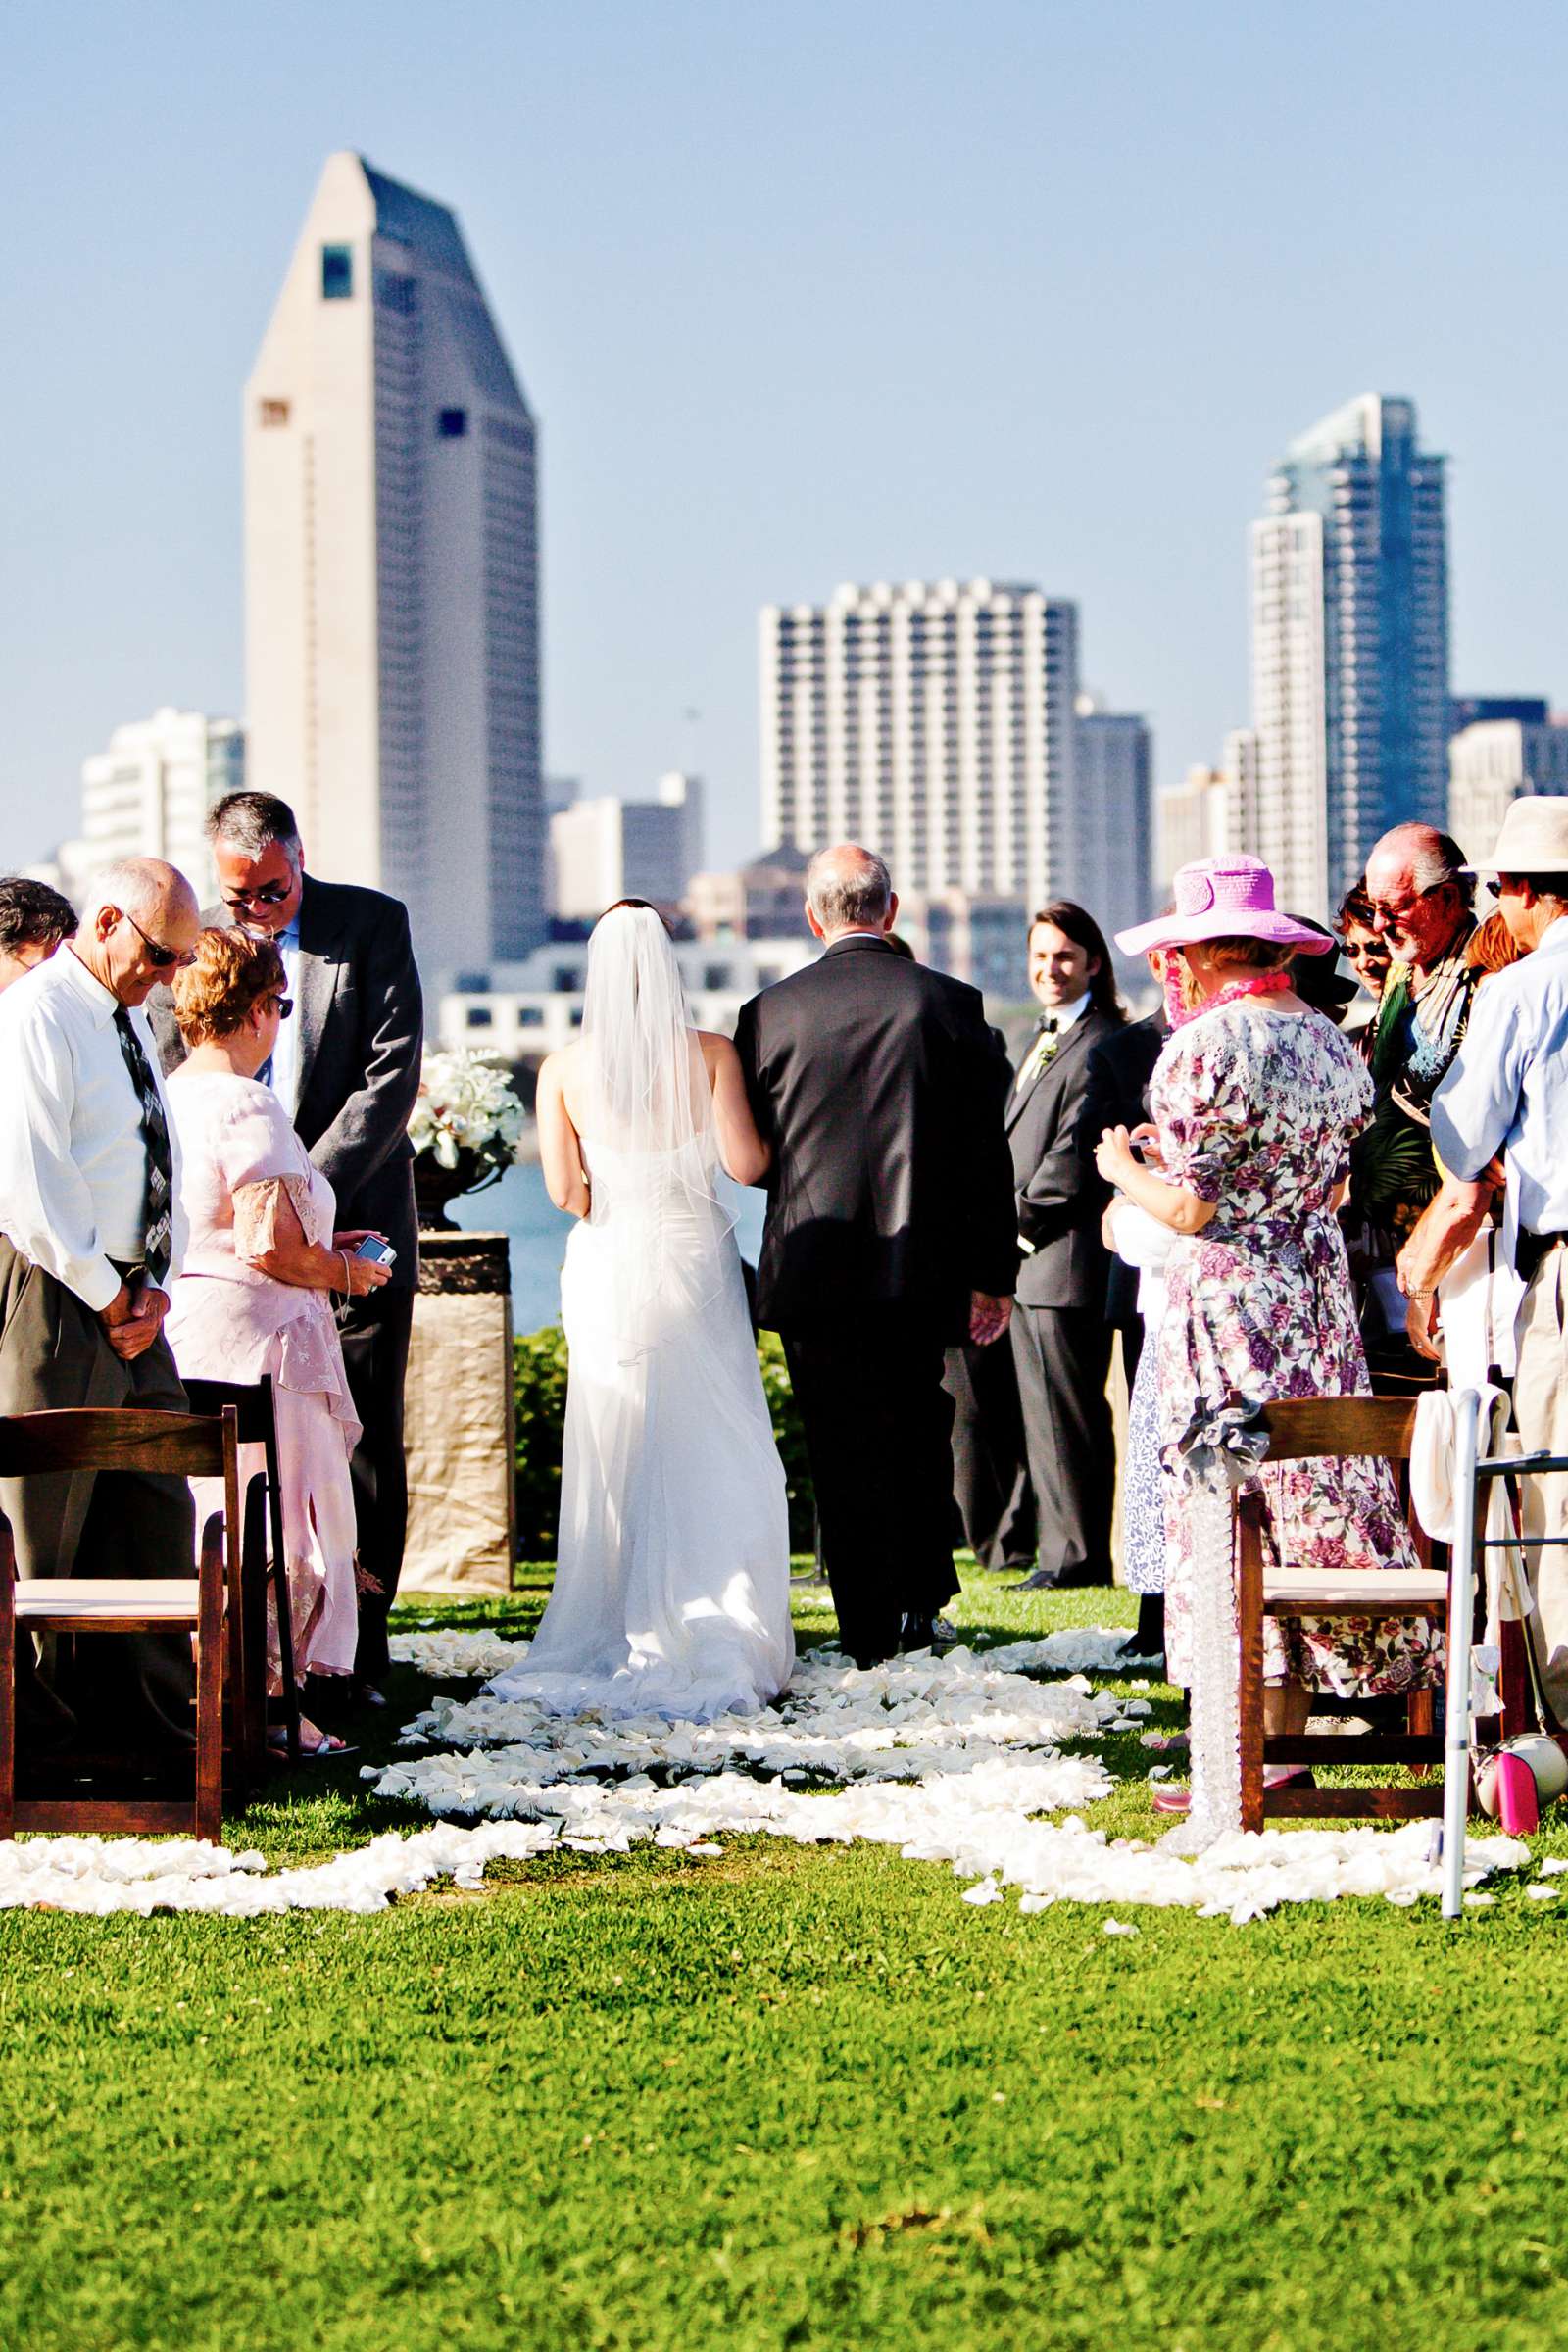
x: 1060, y: 1338
x: 362, y: 1029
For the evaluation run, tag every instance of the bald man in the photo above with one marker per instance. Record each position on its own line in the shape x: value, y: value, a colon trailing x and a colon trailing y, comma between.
x: 1419, y: 893
x: 91, y: 1238
x: 890, y: 1232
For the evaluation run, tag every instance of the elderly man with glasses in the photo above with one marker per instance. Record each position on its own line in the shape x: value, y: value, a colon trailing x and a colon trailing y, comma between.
x: 1418, y: 898
x: 91, y: 1238
x: 347, y: 1070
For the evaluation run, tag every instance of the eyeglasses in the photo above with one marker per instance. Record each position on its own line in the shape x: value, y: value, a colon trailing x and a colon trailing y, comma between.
x: 270, y: 893
x: 1388, y: 910
x: 286, y: 1006
x: 161, y: 959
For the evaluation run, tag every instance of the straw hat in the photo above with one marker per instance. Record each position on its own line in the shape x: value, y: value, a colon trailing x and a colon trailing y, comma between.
x: 1224, y: 898
x: 1533, y: 839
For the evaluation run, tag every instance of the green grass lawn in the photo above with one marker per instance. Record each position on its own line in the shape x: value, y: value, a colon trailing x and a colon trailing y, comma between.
x: 785, y: 2098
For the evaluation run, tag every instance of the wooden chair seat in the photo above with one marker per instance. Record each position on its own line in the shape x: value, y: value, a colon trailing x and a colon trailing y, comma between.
x: 107, y: 1605
x: 1309, y: 1429
x: 207, y: 1604
x: 1353, y: 1592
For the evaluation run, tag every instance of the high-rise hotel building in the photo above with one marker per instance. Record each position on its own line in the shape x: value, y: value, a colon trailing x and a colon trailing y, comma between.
x: 934, y: 722
x: 1350, y: 647
x: 391, y: 573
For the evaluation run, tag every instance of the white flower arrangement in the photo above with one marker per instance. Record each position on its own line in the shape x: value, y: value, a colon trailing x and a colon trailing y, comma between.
x: 468, y: 1107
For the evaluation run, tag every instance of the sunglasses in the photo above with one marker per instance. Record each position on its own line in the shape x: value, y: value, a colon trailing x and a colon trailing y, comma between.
x: 161, y: 958
x: 286, y: 1006
x: 270, y: 893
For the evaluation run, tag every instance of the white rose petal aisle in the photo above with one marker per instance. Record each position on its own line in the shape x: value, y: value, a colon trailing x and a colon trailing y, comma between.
x: 950, y: 1759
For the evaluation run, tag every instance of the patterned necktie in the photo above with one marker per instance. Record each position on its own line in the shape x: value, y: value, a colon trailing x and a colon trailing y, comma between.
x: 159, y: 1205
x: 1039, y: 1053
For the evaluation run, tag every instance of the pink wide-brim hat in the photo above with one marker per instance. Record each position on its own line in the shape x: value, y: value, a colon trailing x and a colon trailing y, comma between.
x: 1224, y: 898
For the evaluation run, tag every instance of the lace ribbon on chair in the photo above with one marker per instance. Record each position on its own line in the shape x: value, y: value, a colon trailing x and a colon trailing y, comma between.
x: 1219, y: 1453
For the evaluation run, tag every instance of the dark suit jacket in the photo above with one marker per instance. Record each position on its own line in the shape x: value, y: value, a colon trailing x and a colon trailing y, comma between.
x: 361, y: 1031
x: 879, y: 1087
x: 1116, y: 1094
x: 1060, y: 1197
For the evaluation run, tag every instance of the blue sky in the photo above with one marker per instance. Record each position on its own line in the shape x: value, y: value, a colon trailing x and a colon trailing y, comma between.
x: 799, y: 294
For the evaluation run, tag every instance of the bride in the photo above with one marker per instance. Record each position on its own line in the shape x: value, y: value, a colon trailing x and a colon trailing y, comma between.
x: 671, y: 1591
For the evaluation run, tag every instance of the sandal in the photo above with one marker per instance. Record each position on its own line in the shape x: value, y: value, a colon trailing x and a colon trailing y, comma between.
x: 315, y: 1747
x: 1275, y: 1776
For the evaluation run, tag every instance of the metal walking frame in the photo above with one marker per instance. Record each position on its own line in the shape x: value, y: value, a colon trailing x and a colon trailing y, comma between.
x: 1471, y: 1469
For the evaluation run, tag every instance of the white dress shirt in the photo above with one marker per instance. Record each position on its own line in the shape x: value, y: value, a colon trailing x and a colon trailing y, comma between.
x: 1054, y: 1022
x: 1507, y: 1090
x: 73, y: 1159
x: 284, y: 1075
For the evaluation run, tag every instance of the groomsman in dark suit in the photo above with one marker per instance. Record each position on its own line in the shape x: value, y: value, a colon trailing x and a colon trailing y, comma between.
x: 347, y: 1066
x: 890, y: 1232
x: 1060, y: 1336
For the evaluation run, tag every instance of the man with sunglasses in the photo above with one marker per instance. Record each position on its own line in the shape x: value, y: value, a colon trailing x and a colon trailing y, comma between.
x: 1418, y: 898
x: 91, y: 1238
x: 347, y: 1068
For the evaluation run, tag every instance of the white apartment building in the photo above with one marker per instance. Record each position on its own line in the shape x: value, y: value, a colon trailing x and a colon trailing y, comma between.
x: 1350, y: 647
x: 936, y: 723
x: 391, y: 573
x: 148, y: 795
x: 1212, y: 813
x: 1494, y: 763
x: 605, y: 850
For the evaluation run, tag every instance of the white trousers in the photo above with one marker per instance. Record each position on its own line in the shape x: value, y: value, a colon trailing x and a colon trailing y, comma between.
x: 1540, y: 1415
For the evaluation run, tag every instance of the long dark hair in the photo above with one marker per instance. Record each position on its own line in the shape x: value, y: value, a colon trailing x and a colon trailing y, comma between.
x: 1080, y: 926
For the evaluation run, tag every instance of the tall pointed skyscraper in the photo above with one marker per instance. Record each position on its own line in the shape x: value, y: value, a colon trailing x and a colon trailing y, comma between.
x: 391, y: 574
x: 1350, y: 647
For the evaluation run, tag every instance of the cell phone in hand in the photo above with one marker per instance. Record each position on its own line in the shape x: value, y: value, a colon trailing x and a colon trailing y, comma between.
x: 379, y: 1252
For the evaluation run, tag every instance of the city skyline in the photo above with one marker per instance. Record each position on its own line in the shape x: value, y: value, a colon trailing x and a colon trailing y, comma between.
x: 1087, y: 387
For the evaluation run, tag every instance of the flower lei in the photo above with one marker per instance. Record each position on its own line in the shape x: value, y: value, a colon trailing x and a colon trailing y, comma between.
x: 1255, y: 984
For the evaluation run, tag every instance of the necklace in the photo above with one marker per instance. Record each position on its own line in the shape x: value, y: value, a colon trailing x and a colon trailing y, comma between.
x: 1254, y: 984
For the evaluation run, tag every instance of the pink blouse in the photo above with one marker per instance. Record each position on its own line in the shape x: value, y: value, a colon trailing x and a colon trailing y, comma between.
x: 229, y: 1320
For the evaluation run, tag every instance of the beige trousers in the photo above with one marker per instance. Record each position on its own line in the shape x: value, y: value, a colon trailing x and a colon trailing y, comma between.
x: 1540, y: 1415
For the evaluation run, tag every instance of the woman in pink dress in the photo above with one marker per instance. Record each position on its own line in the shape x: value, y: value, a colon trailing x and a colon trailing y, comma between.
x: 256, y: 1295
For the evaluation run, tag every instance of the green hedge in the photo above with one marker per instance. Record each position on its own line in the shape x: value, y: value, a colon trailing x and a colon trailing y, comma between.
x: 539, y: 1369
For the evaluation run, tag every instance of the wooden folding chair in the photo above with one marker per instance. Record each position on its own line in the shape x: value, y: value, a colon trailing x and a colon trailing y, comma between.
x: 261, y: 1557
x: 1308, y: 1429
x: 178, y: 1445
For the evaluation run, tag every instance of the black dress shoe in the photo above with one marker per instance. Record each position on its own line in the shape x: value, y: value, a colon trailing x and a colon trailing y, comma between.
x: 1040, y: 1581
x: 366, y: 1694
x: 928, y: 1632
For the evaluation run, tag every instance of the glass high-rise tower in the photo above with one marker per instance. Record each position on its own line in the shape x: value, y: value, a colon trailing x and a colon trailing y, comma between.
x: 1350, y: 647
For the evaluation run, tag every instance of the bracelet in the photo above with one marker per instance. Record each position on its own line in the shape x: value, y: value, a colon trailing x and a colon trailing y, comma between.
x: 348, y: 1278
x: 1421, y: 1294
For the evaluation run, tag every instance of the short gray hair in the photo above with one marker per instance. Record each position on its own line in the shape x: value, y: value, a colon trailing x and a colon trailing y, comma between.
x: 848, y: 887
x: 253, y: 822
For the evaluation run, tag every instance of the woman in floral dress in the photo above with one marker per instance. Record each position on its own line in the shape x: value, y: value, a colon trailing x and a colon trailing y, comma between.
x: 1256, y: 1101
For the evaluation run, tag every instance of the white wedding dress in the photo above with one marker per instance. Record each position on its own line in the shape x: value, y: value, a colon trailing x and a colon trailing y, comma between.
x: 671, y: 1592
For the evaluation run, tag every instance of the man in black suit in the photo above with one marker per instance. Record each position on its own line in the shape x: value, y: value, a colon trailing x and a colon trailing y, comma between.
x: 890, y: 1232
x: 348, y: 1067
x: 1060, y: 1338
